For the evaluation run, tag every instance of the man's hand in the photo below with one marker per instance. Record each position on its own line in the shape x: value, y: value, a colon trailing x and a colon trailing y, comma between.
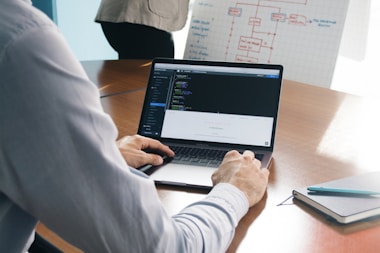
x: 243, y: 171
x: 132, y: 148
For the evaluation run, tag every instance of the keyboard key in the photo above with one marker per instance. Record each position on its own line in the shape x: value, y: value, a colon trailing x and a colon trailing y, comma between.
x: 200, y: 156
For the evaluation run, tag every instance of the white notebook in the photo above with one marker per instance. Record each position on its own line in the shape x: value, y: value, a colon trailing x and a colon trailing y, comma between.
x: 345, y: 207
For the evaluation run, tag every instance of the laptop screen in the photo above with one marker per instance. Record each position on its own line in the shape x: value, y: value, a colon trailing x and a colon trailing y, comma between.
x: 216, y: 102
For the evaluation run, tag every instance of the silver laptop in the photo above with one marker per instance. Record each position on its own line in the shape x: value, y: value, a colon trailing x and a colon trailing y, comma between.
x: 203, y: 109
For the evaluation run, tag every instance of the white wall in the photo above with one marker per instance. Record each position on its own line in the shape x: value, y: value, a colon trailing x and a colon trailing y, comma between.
x: 356, y: 69
x: 85, y: 37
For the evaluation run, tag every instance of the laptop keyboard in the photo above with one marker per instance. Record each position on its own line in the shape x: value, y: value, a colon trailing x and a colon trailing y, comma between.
x: 200, y: 156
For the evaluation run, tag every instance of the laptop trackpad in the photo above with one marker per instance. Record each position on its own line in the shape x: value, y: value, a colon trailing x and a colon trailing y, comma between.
x: 184, y: 175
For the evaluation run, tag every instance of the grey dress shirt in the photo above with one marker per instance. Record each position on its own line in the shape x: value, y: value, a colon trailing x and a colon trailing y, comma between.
x: 59, y: 163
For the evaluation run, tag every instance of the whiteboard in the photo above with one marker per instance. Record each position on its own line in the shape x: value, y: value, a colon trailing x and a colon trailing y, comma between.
x: 301, y: 35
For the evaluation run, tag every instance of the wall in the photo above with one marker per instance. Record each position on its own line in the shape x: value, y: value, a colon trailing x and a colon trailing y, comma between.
x: 85, y: 37
x: 76, y: 21
x: 356, y: 69
x: 47, y: 6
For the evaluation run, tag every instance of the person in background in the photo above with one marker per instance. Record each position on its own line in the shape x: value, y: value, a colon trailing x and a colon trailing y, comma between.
x: 60, y: 162
x: 141, y: 29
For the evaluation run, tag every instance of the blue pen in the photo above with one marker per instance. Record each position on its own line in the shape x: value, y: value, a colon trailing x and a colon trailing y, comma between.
x: 318, y: 189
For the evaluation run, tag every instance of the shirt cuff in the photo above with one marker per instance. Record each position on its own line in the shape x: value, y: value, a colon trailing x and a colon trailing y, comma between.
x: 235, y: 198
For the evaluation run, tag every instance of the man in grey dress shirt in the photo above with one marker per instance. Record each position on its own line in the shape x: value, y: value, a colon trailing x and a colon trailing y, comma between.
x: 60, y: 162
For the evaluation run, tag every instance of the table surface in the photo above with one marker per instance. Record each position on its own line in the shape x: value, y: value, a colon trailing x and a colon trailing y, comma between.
x: 322, y: 135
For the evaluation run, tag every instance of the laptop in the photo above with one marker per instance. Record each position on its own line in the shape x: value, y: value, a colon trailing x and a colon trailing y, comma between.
x: 203, y: 109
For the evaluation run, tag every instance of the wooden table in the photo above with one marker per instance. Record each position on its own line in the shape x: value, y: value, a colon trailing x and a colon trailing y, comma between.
x: 322, y: 135
x: 118, y: 76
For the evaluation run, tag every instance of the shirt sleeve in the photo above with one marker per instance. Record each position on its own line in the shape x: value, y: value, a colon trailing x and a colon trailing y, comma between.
x: 59, y: 162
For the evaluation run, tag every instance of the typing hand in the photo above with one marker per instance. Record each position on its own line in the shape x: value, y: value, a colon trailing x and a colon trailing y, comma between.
x: 243, y: 171
x: 132, y: 148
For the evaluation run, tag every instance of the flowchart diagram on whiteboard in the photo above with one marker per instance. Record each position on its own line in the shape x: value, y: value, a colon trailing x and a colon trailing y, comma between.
x: 302, y: 35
